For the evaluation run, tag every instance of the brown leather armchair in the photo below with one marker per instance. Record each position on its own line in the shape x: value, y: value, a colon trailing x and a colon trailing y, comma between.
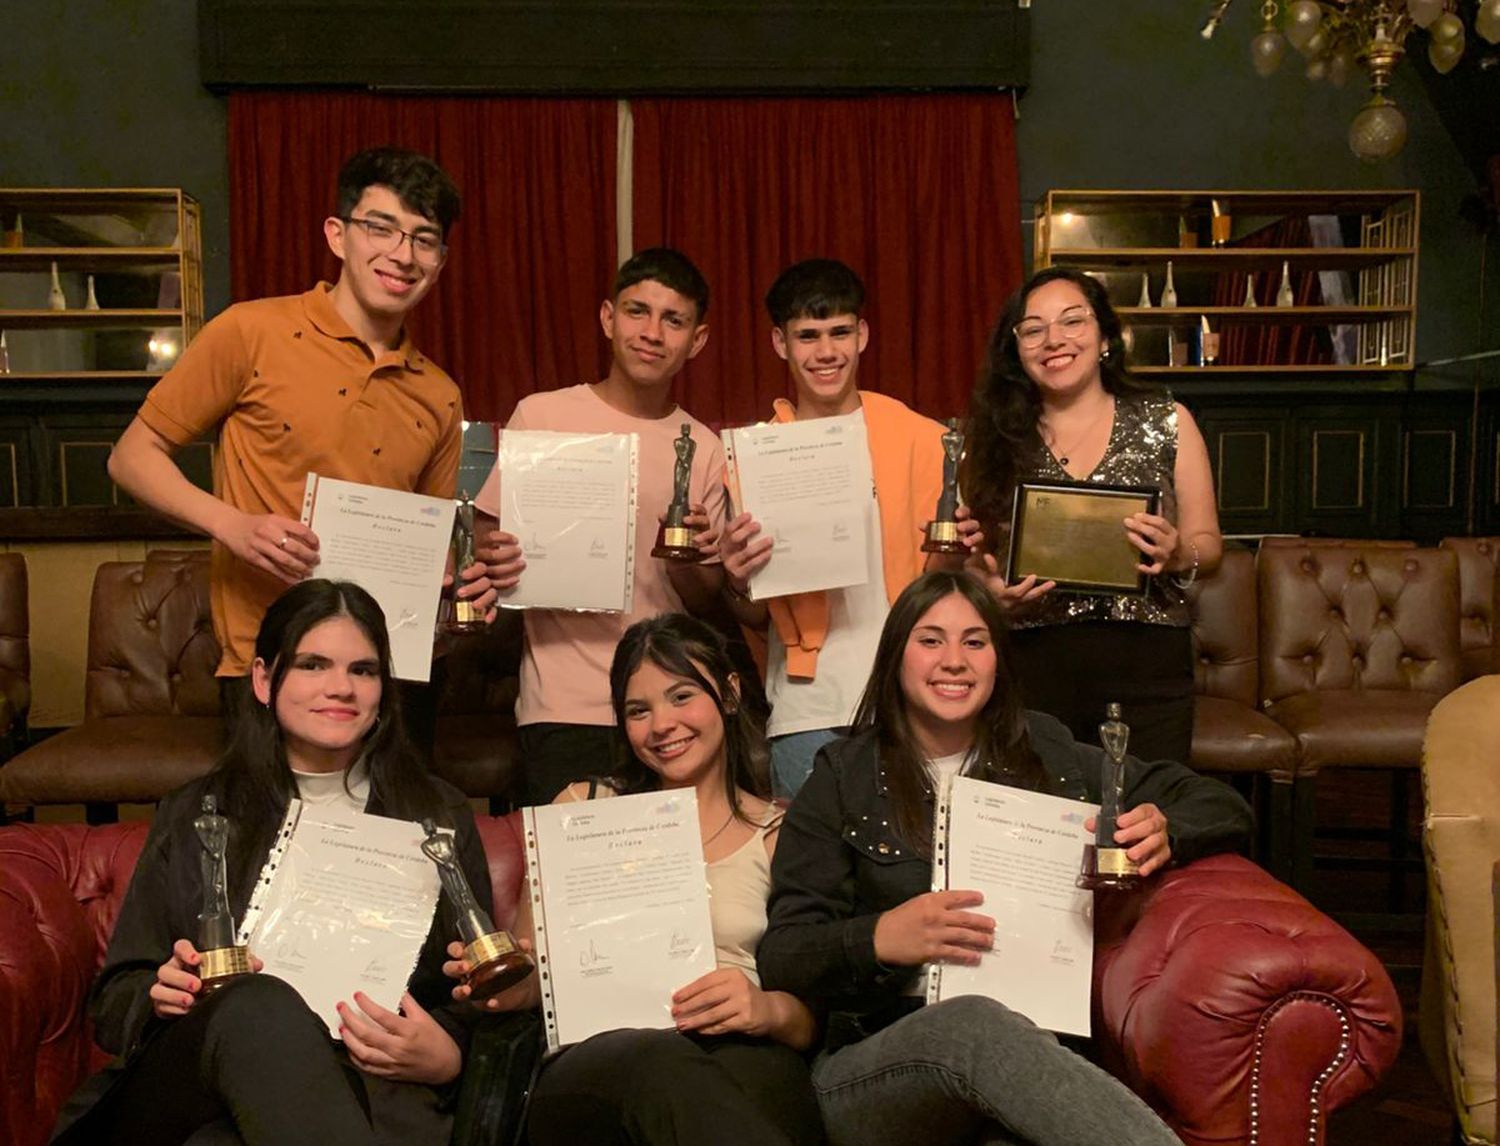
x: 15, y: 654
x: 1477, y: 589
x: 1357, y: 646
x: 1231, y: 1004
x: 1461, y: 836
x: 1231, y: 736
x: 151, y: 704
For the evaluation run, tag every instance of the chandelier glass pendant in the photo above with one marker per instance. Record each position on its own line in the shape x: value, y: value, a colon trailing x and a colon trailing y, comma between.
x: 1335, y: 36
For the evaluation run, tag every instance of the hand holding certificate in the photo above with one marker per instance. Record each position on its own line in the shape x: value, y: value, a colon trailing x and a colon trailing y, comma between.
x: 620, y: 910
x: 1021, y: 850
x: 808, y: 485
x: 395, y: 546
x: 571, y: 500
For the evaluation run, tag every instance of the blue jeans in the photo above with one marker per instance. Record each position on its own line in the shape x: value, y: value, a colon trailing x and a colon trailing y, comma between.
x: 972, y: 1070
x: 792, y: 758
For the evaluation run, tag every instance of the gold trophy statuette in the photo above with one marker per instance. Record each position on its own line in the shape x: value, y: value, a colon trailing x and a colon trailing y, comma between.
x: 221, y: 958
x: 1105, y: 863
x: 461, y: 615
x: 942, y: 530
x: 495, y: 961
x: 674, y: 540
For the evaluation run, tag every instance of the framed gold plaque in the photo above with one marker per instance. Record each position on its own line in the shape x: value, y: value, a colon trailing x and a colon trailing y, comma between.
x: 1073, y: 533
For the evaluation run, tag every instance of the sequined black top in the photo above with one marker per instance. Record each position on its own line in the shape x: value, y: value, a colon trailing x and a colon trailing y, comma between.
x: 1142, y: 450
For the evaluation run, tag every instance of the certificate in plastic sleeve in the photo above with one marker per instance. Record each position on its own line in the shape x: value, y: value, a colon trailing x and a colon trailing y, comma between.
x: 808, y: 485
x: 344, y: 903
x: 571, y: 500
x: 1022, y: 851
x: 619, y: 910
x: 392, y: 544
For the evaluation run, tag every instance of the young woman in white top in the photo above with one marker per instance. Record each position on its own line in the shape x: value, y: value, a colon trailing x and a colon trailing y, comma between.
x: 731, y: 1071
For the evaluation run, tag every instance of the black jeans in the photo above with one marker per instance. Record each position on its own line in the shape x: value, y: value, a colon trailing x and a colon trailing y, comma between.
x: 661, y: 1088
x: 249, y: 1064
x: 555, y: 755
x: 1072, y: 671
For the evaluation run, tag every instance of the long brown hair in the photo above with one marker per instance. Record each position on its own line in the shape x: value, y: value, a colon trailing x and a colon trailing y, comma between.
x: 1002, y: 749
x: 687, y: 647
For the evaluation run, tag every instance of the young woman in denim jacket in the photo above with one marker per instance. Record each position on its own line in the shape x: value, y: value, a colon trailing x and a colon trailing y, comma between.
x: 853, y: 921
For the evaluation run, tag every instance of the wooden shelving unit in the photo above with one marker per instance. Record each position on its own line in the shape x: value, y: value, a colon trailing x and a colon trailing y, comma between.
x: 1121, y: 235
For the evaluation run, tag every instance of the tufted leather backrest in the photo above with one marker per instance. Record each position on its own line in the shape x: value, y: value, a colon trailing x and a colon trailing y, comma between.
x: 1348, y: 617
x: 1226, y: 649
x: 151, y: 641
x: 15, y: 629
x: 1477, y: 557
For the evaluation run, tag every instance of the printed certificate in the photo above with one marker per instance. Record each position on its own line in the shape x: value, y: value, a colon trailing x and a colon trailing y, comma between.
x: 571, y: 500
x: 343, y: 904
x: 808, y: 485
x: 620, y: 910
x: 1023, y: 851
x: 392, y: 544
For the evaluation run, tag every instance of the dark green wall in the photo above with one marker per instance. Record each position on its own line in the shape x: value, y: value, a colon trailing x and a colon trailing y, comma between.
x: 105, y: 93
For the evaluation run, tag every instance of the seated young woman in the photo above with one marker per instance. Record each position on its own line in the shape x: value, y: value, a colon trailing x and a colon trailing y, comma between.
x: 853, y: 921
x: 251, y: 1062
x: 730, y: 1072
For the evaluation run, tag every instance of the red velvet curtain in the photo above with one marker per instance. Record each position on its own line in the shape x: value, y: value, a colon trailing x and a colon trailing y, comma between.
x: 919, y: 194
x: 531, y: 257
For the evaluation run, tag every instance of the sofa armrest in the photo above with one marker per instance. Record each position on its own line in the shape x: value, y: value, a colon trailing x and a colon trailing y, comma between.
x: 55, y: 886
x: 1238, y: 1010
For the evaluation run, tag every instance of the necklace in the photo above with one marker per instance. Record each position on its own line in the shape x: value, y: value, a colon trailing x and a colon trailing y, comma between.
x: 1065, y: 456
x: 727, y: 820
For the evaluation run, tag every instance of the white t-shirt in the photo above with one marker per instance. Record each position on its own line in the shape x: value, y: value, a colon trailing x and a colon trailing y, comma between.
x: 329, y: 787
x: 855, y: 618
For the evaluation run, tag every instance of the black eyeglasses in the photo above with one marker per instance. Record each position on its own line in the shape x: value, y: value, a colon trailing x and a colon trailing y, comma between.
x: 386, y: 238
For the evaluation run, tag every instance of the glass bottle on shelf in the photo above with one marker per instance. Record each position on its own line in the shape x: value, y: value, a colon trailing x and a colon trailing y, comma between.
x: 4, y: 355
x: 1284, y: 295
x: 1250, y: 291
x: 1144, y: 302
x: 1169, y: 292
x: 92, y: 302
x: 56, y: 300
x: 16, y: 236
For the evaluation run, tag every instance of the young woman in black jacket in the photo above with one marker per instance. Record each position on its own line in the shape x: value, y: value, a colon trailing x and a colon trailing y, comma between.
x: 250, y: 1062
x: 853, y: 921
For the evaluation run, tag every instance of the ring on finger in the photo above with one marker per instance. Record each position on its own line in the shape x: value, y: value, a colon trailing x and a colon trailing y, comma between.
x: 282, y: 543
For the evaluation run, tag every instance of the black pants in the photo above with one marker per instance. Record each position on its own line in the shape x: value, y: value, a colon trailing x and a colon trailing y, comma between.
x: 249, y: 1064
x: 555, y: 755
x: 1073, y: 671
x: 661, y: 1088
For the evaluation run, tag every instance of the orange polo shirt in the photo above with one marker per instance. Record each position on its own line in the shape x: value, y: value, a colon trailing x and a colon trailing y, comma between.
x: 290, y: 390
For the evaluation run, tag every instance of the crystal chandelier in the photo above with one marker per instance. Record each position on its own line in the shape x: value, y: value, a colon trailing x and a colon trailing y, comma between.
x: 1335, y: 35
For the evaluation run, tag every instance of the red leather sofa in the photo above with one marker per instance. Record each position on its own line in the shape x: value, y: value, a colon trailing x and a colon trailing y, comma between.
x: 1233, y: 1006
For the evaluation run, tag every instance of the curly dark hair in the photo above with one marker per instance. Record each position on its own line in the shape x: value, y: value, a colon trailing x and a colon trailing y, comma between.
x: 1006, y: 404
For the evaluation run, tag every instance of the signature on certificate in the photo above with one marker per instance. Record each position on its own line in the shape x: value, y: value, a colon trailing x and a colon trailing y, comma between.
x: 680, y: 946
x: 594, y: 961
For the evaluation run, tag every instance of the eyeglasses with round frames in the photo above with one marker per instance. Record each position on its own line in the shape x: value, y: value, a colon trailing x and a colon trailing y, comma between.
x: 1032, y: 332
x: 387, y: 238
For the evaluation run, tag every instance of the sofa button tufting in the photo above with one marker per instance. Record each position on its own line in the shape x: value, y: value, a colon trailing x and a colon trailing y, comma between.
x: 151, y: 623
x: 1306, y: 565
x: 1358, y: 568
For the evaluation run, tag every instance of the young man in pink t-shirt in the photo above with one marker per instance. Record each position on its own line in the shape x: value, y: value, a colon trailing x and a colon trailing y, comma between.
x: 655, y: 320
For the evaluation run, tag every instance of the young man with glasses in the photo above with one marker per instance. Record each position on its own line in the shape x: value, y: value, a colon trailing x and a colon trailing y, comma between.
x: 326, y: 382
x: 821, y: 645
x: 656, y: 320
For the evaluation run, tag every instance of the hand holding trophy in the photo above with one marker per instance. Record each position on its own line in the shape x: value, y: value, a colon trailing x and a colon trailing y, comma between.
x: 222, y: 958
x: 458, y: 614
x: 1105, y: 863
x: 495, y: 961
x: 674, y: 540
x: 942, y: 530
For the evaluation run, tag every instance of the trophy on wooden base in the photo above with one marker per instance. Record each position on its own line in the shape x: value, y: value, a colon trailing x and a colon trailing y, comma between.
x: 460, y: 615
x: 942, y: 530
x: 1105, y: 863
x: 495, y: 960
x: 674, y: 540
x: 221, y: 959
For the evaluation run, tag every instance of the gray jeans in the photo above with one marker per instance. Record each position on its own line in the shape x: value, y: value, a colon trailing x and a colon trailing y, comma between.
x: 970, y: 1070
